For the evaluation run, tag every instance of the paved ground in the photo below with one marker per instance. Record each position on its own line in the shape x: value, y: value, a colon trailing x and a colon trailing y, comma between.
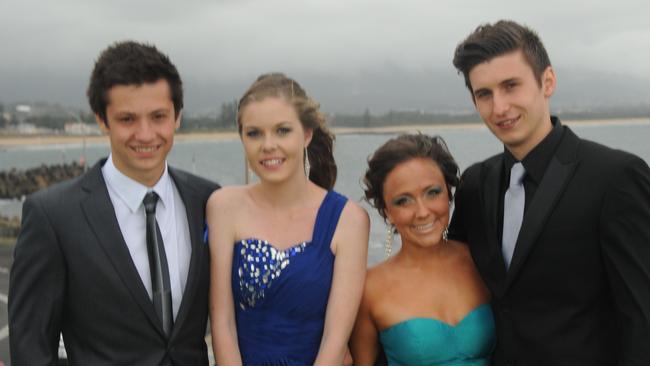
x: 5, y: 263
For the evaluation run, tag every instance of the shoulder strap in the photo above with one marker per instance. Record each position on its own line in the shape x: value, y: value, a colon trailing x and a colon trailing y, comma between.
x: 327, y: 218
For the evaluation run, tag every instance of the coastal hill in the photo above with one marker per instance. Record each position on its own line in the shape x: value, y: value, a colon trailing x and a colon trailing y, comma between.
x: 377, y: 89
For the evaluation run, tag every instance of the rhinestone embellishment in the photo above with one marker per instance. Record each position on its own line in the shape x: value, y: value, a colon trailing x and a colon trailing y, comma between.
x: 260, y: 265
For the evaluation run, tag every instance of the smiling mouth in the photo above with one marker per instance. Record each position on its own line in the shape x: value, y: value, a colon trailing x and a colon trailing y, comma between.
x: 508, y: 123
x: 272, y: 163
x: 423, y: 227
x: 145, y: 149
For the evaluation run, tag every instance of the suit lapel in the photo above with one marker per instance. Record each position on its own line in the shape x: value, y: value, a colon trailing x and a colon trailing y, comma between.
x: 195, y: 219
x: 557, y: 175
x: 101, y: 218
x: 492, y: 182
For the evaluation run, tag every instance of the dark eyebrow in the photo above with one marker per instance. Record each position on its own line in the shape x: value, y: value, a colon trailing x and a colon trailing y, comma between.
x: 161, y: 110
x: 279, y: 124
x: 440, y: 187
x: 509, y: 81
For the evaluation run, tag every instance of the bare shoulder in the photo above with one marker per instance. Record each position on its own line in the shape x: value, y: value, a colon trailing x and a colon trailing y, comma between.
x: 352, y: 229
x: 226, y: 196
x: 461, y: 257
x: 224, y: 205
x: 460, y: 251
x: 379, y: 270
x: 377, y: 277
x: 354, y: 215
x: 466, y: 271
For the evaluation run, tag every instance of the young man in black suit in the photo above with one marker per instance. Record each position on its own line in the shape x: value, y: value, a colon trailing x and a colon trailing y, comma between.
x: 88, y: 259
x: 565, y: 249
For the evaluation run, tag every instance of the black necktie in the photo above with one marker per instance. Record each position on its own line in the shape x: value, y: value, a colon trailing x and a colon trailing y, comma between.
x: 160, y: 284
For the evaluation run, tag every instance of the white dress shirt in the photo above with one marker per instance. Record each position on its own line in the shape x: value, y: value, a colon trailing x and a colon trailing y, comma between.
x: 126, y: 195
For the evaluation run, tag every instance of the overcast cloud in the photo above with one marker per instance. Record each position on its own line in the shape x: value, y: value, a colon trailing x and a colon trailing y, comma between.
x: 48, y: 47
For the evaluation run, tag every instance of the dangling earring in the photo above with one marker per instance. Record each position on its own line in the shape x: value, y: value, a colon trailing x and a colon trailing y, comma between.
x: 445, y: 234
x: 388, y: 247
x: 307, y: 165
x: 249, y: 174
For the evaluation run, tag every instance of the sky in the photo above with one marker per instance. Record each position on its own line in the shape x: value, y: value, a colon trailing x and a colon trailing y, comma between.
x: 396, y: 52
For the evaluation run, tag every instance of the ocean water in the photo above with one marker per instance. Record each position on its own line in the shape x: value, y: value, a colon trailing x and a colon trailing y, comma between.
x: 223, y: 161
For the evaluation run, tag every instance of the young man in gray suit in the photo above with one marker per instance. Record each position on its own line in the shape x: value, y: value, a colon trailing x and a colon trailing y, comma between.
x: 116, y: 259
x: 559, y: 227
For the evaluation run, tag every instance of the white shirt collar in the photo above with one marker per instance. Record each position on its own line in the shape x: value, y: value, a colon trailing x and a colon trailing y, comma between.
x: 132, y: 192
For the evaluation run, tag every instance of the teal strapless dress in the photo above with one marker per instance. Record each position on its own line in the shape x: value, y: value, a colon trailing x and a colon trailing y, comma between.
x: 427, y: 341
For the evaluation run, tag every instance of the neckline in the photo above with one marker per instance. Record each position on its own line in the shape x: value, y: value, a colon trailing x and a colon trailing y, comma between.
x: 431, y: 319
x: 269, y: 244
x: 319, y: 213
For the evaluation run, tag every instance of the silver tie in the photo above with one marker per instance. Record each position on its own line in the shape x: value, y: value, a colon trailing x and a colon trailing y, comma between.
x: 513, y: 211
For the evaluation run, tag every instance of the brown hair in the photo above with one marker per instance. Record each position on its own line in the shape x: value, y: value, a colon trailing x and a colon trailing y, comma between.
x: 492, y: 40
x: 320, y: 154
x: 399, y: 150
x: 131, y: 63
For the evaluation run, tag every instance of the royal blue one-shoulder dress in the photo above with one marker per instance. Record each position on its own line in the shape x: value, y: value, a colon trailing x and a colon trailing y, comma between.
x: 281, y: 295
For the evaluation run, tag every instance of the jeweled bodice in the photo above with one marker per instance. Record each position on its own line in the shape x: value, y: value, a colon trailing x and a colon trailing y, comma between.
x: 260, y: 264
x: 281, y: 296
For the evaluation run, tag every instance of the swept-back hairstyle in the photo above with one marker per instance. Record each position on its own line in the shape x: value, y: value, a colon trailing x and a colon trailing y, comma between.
x: 131, y: 63
x: 491, y: 40
x: 399, y: 150
x: 320, y: 154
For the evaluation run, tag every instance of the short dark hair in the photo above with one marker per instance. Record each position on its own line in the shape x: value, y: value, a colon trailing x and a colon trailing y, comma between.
x: 131, y: 63
x: 491, y: 40
x: 399, y: 150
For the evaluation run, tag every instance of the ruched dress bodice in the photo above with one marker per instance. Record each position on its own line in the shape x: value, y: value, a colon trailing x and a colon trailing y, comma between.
x: 431, y: 342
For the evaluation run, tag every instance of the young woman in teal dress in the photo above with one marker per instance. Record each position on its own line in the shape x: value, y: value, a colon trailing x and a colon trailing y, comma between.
x: 426, y: 305
x: 288, y: 254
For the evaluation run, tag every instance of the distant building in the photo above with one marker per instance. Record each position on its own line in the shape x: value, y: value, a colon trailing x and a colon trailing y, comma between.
x: 22, y: 108
x: 79, y: 128
x: 22, y: 111
x: 6, y: 119
x: 27, y: 129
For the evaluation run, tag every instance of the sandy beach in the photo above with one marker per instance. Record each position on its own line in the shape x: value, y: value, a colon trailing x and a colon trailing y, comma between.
x: 14, y: 141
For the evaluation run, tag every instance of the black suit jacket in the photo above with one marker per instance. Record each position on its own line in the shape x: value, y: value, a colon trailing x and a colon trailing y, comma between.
x: 72, y: 272
x: 578, y: 288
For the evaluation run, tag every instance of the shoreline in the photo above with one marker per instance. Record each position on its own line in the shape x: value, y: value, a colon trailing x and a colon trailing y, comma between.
x: 16, y: 141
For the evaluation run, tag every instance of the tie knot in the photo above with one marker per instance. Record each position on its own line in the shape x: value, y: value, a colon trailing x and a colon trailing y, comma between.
x: 517, y: 173
x: 149, y: 201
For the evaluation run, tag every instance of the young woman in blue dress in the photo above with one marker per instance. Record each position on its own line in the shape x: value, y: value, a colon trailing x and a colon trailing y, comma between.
x: 426, y: 305
x: 288, y: 254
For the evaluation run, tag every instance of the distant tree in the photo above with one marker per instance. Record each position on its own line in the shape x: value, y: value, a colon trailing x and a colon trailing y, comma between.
x: 227, y: 119
x: 87, y: 117
x: 3, y: 121
x: 366, y: 118
x: 52, y: 122
x: 189, y: 124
